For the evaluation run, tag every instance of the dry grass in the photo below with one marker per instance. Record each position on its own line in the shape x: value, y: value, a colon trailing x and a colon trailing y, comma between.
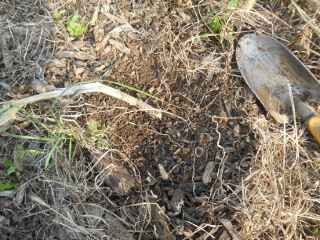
x: 280, y: 198
x: 25, y: 38
x: 275, y: 197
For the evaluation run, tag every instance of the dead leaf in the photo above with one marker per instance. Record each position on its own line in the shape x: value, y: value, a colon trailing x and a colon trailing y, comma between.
x: 98, y: 34
x: 114, y: 174
x: 21, y: 192
x: 120, y: 46
x: 78, y: 44
x: 5, y: 86
x: 75, y: 54
x: 38, y: 85
x: 133, y: 49
x: 185, y: 17
x: 112, y: 17
x: 103, y: 43
x: 78, y: 71
x: 100, y: 68
x: 116, y: 228
x: 119, y: 179
x: 107, y: 50
x: 58, y: 63
x: 57, y: 71
x: 122, y: 28
x: 6, y: 193
x: 95, y: 15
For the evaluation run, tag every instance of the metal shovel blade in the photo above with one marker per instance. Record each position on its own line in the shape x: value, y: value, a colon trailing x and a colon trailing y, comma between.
x: 277, y: 77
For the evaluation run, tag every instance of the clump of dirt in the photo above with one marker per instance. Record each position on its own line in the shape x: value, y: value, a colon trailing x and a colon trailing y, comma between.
x: 214, y: 165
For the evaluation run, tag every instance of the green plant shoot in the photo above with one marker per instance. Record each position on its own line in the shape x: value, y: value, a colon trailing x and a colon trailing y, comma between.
x: 75, y: 25
x: 11, y: 165
x: 233, y: 4
x: 8, y: 185
x: 216, y: 22
x: 58, y: 15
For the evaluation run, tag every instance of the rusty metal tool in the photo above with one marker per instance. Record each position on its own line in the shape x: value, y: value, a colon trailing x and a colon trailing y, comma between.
x: 282, y: 83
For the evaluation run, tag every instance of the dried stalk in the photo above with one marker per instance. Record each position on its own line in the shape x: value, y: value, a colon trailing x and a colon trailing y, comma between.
x: 13, y: 106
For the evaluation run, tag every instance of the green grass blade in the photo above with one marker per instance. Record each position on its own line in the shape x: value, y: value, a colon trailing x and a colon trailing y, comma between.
x: 70, y: 160
x: 5, y: 108
x: 132, y: 88
x: 29, y: 137
x: 35, y: 152
x: 54, y: 163
x: 70, y: 152
x: 47, y: 161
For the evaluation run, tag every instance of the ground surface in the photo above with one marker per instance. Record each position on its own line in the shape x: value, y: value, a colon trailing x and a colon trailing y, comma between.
x: 118, y: 172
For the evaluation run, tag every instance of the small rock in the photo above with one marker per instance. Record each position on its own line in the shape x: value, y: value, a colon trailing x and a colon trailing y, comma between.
x: 236, y: 130
x: 38, y: 85
x: 115, y: 175
x: 119, y: 179
x: 163, y: 173
x: 207, y: 178
x: 177, y: 201
x: 170, y: 192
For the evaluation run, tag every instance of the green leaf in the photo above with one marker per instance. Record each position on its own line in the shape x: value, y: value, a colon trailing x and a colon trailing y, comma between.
x: 215, y: 24
x: 233, y: 4
x: 224, y: 41
x: 57, y: 15
x: 205, y: 35
x: 93, y: 126
x: 8, y: 185
x: 74, y: 18
x: 8, y: 163
x: 75, y: 25
x: 12, y: 169
x: 210, y: 16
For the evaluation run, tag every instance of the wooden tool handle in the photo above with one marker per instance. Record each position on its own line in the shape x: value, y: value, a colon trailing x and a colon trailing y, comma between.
x: 313, y: 125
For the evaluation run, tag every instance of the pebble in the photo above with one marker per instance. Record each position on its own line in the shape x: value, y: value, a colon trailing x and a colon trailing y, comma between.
x: 207, y: 175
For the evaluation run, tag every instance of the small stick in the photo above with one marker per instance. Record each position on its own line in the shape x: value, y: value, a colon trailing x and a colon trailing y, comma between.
x: 228, y: 226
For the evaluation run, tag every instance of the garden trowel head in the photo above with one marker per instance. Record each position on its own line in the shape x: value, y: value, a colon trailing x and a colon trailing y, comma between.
x: 278, y: 78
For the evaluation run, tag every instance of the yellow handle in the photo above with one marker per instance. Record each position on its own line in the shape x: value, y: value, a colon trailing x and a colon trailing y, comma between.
x: 313, y: 125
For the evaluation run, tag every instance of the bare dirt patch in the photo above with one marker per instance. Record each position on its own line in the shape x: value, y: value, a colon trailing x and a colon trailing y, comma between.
x: 215, y: 164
